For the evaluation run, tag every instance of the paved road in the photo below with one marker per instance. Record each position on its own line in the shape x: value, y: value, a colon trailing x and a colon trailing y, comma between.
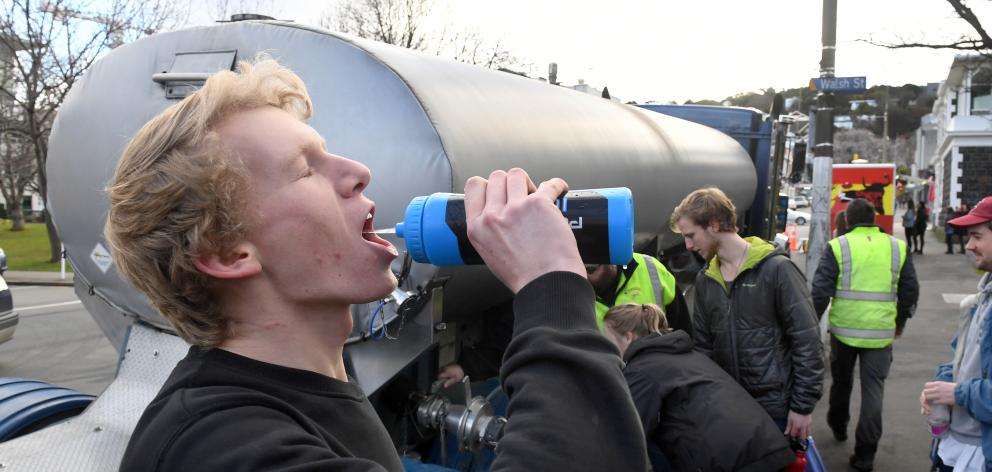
x: 57, y: 341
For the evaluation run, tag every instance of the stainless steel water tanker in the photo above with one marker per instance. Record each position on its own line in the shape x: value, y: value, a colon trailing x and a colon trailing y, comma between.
x: 421, y: 123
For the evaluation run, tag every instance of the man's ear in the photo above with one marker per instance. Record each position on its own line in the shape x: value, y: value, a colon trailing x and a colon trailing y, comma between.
x: 238, y: 263
x: 714, y: 226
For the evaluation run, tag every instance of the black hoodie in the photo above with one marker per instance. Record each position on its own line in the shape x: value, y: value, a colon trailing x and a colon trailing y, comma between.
x: 696, y: 413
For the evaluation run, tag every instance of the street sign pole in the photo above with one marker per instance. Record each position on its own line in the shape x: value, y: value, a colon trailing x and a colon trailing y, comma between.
x: 823, y: 151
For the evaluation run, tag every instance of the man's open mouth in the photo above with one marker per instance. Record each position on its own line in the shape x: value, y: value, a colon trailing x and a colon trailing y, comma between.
x: 369, y: 234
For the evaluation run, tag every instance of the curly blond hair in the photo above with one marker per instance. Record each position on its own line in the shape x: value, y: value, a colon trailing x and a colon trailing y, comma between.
x: 178, y: 192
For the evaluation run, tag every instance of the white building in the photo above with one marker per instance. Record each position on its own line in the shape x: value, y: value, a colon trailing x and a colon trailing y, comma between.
x: 31, y: 203
x: 856, y: 104
x: 954, y: 142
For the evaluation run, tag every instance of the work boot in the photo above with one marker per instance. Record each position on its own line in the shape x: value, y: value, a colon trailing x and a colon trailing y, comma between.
x: 840, y: 431
x: 860, y: 465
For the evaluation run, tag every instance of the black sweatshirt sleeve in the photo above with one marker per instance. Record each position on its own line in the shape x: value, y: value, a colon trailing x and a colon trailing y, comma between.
x: 825, y: 281
x: 907, y: 293
x: 569, y: 404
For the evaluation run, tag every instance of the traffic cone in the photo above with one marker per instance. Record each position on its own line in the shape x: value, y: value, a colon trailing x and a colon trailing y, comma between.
x: 793, y: 233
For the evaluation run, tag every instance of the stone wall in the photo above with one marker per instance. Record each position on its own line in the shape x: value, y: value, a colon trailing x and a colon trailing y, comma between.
x: 976, y: 174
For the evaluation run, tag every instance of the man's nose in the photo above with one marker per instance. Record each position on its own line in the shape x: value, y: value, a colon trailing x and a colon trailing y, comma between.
x: 354, y: 176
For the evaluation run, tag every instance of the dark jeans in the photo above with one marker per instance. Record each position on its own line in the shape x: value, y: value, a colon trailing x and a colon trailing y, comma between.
x: 949, y: 239
x: 909, y: 238
x: 874, y: 369
x: 920, y: 232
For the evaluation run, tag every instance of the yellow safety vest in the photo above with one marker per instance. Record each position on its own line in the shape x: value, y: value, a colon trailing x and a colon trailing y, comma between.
x: 863, y: 311
x: 649, y: 283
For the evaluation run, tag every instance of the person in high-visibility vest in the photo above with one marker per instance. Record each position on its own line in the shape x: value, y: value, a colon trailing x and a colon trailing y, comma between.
x: 872, y: 282
x: 643, y: 280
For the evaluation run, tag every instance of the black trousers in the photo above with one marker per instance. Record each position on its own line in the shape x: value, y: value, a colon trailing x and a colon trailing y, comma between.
x: 920, y: 232
x: 910, y: 238
x: 874, y: 369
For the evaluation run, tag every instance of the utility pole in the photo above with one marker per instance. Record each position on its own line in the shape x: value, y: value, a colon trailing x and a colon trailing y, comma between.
x: 823, y: 151
x: 885, y: 131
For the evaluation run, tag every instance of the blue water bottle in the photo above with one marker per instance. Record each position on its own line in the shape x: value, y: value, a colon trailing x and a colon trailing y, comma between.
x: 602, y: 219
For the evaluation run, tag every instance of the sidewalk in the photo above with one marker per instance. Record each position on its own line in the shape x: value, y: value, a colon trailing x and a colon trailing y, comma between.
x: 20, y: 277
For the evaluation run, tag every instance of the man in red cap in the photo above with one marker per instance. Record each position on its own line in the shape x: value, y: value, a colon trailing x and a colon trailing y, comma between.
x: 965, y: 384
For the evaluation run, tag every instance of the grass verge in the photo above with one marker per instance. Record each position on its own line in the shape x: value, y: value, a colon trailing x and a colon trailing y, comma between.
x: 28, y: 249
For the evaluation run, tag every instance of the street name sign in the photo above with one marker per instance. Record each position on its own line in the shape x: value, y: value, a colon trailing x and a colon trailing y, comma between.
x: 838, y: 84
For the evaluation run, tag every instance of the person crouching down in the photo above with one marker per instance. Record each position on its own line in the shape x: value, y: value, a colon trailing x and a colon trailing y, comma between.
x: 694, y: 414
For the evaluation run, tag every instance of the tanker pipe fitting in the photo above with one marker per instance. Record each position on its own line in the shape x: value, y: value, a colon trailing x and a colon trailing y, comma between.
x: 474, y: 425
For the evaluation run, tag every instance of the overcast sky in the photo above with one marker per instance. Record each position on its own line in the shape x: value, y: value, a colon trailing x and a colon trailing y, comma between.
x: 677, y: 50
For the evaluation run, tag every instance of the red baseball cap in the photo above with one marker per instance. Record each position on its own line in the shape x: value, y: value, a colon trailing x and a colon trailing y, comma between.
x: 980, y: 214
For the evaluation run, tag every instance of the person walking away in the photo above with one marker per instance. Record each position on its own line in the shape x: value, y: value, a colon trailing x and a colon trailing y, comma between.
x: 840, y: 224
x: 873, y: 284
x: 922, y: 218
x: 909, y: 224
x: 962, y: 233
x: 753, y: 315
x: 949, y: 231
x: 695, y: 414
x: 963, y: 385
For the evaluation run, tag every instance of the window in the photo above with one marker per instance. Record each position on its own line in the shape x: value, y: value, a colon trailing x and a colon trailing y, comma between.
x: 981, y: 92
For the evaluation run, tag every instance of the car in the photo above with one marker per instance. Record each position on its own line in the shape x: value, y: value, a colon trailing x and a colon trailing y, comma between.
x: 8, y: 318
x: 3, y: 261
x: 798, y: 217
x: 801, y: 201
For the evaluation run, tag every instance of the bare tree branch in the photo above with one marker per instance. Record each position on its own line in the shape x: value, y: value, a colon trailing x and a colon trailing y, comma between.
x: 981, y: 45
x: 963, y: 45
x: 417, y: 24
x: 968, y: 15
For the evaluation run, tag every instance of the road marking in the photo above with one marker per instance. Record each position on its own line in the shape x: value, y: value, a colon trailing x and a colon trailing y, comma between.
x: 50, y: 305
x: 954, y: 298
